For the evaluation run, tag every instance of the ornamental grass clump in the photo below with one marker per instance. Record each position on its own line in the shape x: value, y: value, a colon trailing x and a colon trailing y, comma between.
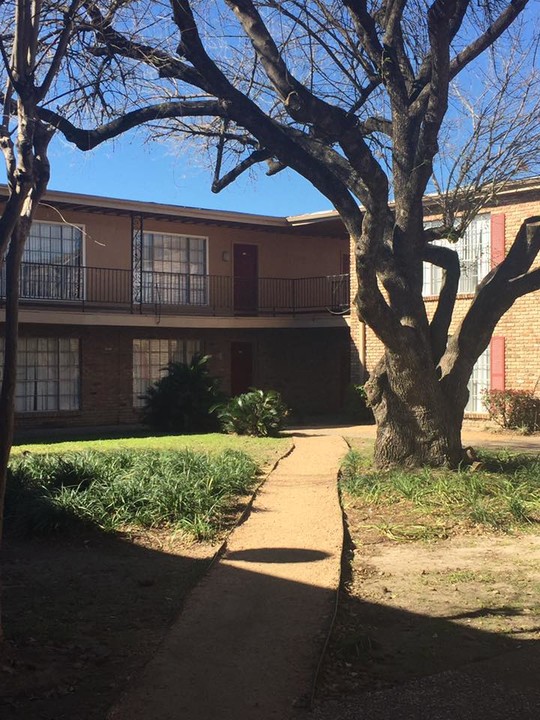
x: 503, y: 494
x: 114, y: 491
x: 259, y: 413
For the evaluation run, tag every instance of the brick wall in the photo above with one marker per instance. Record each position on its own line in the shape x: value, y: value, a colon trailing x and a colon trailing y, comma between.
x: 520, y: 326
x: 310, y: 367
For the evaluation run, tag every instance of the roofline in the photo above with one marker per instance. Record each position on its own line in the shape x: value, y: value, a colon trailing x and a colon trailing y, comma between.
x: 513, y: 187
x: 153, y: 208
x: 310, y: 218
x: 99, y: 202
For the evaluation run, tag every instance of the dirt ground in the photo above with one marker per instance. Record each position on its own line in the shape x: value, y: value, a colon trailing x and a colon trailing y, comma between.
x: 412, y: 608
x: 83, y: 616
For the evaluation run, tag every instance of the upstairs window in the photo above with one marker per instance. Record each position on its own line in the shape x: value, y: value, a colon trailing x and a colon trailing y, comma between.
x: 51, y: 265
x: 173, y: 270
x: 474, y: 251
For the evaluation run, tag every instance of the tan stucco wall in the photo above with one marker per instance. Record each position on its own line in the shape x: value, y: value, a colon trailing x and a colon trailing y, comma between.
x: 282, y: 255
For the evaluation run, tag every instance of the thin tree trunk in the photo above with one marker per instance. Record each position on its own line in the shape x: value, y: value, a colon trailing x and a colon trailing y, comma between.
x: 9, y: 375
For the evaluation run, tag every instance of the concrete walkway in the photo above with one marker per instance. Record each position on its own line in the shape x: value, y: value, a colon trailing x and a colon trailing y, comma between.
x: 247, y: 643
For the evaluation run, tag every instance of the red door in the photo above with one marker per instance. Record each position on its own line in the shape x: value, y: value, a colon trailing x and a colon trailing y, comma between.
x: 246, y: 278
x: 241, y: 367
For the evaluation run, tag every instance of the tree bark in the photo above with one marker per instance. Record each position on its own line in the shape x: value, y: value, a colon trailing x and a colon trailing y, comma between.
x: 416, y: 424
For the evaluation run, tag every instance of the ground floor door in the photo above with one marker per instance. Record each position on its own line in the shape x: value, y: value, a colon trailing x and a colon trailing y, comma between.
x: 241, y: 367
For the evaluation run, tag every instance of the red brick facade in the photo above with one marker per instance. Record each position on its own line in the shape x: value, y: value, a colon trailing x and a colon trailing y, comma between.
x: 518, y: 332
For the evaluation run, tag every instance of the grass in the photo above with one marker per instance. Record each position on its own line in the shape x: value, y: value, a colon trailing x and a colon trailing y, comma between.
x: 185, y: 483
x: 262, y: 450
x: 503, y: 494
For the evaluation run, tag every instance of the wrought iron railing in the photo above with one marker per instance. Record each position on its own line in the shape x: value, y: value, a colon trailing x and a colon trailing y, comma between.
x: 92, y: 288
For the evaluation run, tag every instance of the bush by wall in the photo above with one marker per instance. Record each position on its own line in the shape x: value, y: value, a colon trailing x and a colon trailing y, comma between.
x: 257, y: 413
x: 513, y: 409
x: 355, y: 406
x: 183, y: 400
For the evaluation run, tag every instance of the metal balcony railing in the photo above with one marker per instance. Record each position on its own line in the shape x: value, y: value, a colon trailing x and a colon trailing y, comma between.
x: 90, y: 288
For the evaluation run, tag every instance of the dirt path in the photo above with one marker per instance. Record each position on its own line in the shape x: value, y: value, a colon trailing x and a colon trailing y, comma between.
x: 438, y: 631
x: 473, y: 434
x: 248, y: 640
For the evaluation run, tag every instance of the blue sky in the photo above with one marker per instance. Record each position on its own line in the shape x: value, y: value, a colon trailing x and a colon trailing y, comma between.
x: 128, y: 169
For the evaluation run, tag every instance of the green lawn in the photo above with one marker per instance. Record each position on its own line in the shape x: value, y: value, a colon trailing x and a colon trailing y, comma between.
x: 262, y: 450
x: 196, y: 483
x: 503, y: 492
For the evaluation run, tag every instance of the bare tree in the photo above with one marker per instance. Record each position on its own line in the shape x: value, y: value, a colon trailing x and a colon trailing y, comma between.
x: 48, y: 60
x: 353, y: 95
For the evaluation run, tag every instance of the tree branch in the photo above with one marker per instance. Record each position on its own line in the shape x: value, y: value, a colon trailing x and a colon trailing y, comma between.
x: 381, y: 54
x: 89, y: 139
x: 494, y: 31
x: 526, y: 283
x: 117, y: 44
x: 255, y: 157
x: 60, y: 51
x: 448, y: 260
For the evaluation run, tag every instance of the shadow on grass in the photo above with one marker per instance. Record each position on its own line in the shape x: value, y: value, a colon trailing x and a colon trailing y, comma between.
x: 505, y: 462
x: 86, y: 614
x: 82, y: 614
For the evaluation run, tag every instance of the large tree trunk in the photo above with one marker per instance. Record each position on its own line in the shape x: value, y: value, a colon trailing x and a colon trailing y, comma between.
x: 416, y: 424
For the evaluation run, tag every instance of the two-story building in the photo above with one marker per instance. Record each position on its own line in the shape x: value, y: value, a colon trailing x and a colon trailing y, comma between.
x: 112, y: 290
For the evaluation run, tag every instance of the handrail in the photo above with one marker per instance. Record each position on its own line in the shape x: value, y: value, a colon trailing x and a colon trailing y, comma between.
x: 146, y: 291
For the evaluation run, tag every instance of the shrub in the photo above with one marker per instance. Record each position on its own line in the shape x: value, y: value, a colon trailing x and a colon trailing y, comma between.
x: 256, y: 413
x: 513, y: 409
x: 183, y: 400
x: 355, y: 405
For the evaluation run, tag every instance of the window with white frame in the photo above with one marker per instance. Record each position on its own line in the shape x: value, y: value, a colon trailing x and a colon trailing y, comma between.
x: 174, y: 270
x: 51, y: 263
x: 150, y: 360
x: 48, y: 374
x: 479, y: 382
x: 474, y: 251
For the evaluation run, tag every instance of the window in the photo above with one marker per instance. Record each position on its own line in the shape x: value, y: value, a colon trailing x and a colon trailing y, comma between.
x: 150, y: 360
x: 48, y: 375
x: 480, y: 381
x: 51, y: 264
x: 173, y: 270
x: 474, y: 250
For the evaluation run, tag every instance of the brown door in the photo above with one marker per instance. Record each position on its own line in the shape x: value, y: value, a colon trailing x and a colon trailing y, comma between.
x: 246, y: 277
x: 241, y: 367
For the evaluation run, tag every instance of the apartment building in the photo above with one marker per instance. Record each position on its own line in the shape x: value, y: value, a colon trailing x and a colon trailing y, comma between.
x: 513, y: 358
x: 113, y: 290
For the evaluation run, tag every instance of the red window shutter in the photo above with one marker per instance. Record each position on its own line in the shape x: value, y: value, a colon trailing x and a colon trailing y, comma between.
x: 497, y: 363
x: 497, y: 239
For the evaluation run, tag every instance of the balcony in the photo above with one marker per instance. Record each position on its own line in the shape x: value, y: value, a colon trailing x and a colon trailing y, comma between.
x: 106, y: 289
